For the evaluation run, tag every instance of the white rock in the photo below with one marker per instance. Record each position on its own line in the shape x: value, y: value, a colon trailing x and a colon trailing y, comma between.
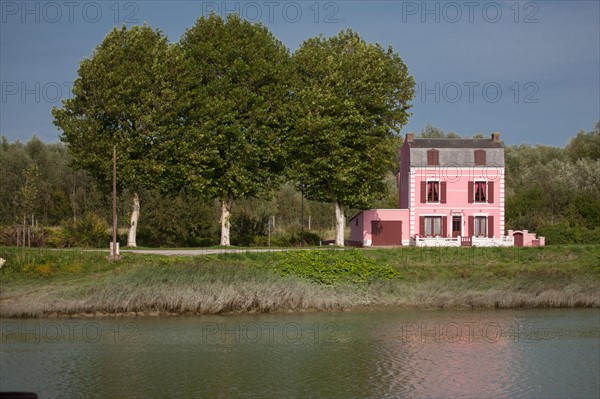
x: 2, y: 262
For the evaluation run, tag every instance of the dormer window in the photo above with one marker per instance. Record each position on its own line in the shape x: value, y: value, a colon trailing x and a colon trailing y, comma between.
x: 433, y: 157
x: 480, y: 157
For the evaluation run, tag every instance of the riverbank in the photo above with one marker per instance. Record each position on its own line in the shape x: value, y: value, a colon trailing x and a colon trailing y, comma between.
x: 42, y: 283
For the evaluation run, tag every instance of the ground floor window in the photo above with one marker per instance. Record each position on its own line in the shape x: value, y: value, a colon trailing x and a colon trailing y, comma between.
x: 480, y: 226
x: 433, y: 225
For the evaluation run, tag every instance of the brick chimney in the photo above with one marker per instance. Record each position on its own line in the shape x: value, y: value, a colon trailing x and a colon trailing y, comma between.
x: 496, y: 137
x: 410, y: 137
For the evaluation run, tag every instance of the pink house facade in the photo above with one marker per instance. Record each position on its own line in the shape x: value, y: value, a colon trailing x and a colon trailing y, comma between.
x: 451, y: 193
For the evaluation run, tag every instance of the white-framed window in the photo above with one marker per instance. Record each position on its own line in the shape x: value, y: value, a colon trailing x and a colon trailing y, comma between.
x: 433, y: 226
x: 433, y: 191
x: 480, y: 191
x: 480, y: 226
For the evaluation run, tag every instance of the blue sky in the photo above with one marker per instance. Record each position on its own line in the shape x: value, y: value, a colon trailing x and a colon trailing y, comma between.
x: 529, y: 70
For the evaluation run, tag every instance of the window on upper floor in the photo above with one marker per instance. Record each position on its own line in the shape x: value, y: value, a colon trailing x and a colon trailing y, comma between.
x: 480, y: 191
x: 433, y: 191
x: 433, y: 157
x: 480, y: 157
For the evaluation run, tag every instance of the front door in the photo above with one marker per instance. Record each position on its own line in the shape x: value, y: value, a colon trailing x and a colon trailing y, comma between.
x: 456, y: 225
x: 518, y: 239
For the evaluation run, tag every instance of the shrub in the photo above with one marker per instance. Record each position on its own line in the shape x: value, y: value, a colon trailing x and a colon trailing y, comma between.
x: 332, y: 266
x: 247, y: 229
x: 89, y: 231
x: 562, y: 233
x: 292, y: 237
x: 177, y: 220
x: 35, y: 237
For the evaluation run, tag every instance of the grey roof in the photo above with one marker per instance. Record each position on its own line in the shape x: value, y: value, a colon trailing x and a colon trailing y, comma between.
x: 461, y: 157
x: 454, y: 143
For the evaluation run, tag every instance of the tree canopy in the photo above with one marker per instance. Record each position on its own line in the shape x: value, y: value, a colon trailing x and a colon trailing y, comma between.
x: 119, y: 98
x: 235, y: 91
x: 351, y: 99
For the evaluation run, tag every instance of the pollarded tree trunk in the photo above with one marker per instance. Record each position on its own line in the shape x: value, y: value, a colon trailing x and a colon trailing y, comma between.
x: 340, y: 224
x: 135, y: 215
x: 226, y: 204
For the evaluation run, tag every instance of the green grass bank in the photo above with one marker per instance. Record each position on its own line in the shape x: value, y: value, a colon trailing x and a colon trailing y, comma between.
x: 44, y: 282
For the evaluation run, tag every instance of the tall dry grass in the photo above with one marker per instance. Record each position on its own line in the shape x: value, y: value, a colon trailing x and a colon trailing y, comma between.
x: 248, y: 283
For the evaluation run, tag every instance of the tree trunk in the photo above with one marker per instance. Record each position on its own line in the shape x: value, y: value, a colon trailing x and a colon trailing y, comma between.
x: 226, y: 204
x: 135, y: 215
x: 340, y: 224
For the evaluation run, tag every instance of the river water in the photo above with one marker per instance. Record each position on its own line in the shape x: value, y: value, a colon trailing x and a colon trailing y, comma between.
x: 371, y: 354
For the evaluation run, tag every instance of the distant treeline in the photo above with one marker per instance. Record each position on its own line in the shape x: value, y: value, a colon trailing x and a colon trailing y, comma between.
x: 550, y: 190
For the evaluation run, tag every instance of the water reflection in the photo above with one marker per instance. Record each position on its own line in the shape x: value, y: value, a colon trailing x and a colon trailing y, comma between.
x: 472, y: 354
x: 442, y: 355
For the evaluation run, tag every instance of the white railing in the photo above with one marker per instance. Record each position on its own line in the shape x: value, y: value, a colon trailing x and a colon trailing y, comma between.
x: 437, y: 241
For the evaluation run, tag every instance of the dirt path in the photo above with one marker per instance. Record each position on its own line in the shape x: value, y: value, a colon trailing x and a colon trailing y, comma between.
x: 207, y: 251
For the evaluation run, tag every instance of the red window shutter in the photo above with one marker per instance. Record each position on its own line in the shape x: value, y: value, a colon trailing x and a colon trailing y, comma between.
x: 443, y: 192
x: 480, y: 157
x: 432, y: 157
x: 490, y: 193
x: 470, y: 193
x: 490, y: 223
x: 471, y: 225
x: 423, y: 192
x: 422, y: 226
x: 444, y: 226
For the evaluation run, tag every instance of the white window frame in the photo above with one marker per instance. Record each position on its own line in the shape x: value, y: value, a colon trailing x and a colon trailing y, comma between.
x: 425, y: 218
x: 427, y: 191
x: 476, y: 225
x: 485, y: 182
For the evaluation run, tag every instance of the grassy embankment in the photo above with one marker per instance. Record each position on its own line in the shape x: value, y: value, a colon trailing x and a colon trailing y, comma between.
x: 37, y: 283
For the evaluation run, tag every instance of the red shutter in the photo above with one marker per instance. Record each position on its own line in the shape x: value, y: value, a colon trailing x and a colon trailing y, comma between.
x: 433, y: 157
x: 422, y: 226
x: 470, y: 193
x: 444, y: 226
x: 490, y: 192
x: 471, y: 225
x: 480, y: 157
x: 443, y: 192
x: 490, y: 223
x: 423, y: 192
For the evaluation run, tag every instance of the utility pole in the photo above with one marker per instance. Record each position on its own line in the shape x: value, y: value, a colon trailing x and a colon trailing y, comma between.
x: 302, y: 217
x: 114, y: 205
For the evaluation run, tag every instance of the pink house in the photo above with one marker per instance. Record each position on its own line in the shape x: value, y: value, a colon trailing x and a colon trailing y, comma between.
x: 451, y: 193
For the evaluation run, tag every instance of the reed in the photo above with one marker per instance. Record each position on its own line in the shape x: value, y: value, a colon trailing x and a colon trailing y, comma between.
x: 55, y: 283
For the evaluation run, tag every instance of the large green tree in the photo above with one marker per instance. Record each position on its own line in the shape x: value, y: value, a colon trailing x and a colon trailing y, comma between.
x: 235, y: 89
x: 124, y: 96
x: 351, y: 99
x: 585, y: 145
